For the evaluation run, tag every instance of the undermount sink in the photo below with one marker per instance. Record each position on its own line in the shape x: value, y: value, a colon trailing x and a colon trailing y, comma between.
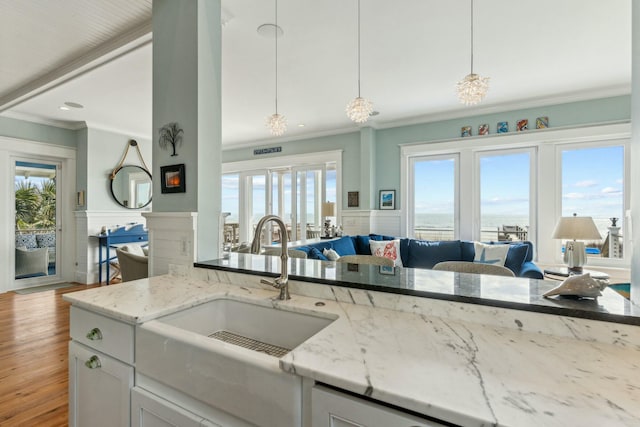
x: 256, y: 327
x: 225, y: 353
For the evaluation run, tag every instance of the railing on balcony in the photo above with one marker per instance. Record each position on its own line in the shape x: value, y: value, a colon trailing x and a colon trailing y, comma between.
x: 505, y: 233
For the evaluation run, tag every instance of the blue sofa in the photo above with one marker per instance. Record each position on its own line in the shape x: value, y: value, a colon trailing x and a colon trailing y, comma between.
x: 427, y: 253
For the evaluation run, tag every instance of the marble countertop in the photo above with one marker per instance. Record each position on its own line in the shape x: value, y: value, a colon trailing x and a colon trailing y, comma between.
x: 495, y: 291
x: 450, y: 368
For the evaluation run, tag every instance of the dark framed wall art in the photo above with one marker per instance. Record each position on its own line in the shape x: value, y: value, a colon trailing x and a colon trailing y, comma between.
x: 172, y: 179
x: 353, y: 199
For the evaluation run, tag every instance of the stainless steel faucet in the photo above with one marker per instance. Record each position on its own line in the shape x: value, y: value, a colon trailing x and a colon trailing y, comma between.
x: 281, y: 282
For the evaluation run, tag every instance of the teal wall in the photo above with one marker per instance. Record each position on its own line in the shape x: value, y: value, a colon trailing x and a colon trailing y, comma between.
x: 386, y: 171
x: 21, y: 129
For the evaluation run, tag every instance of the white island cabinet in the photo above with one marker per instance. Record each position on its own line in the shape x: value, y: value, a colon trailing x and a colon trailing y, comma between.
x: 100, y: 370
x: 331, y: 408
x: 149, y: 410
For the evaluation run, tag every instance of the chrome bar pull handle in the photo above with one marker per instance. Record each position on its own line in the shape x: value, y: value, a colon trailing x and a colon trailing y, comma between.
x: 95, y: 334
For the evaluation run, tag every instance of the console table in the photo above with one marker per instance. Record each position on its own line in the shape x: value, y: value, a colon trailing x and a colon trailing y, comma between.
x: 113, y: 239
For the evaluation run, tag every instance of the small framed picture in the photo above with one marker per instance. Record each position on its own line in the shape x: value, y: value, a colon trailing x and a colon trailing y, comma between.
x: 465, y: 131
x: 542, y: 122
x: 483, y: 129
x: 388, y: 199
x: 172, y: 179
x: 503, y: 127
x: 522, y: 125
x: 353, y: 199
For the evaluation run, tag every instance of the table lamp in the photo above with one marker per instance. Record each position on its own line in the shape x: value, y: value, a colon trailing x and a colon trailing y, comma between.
x: 574, y: 228
x: 328, y: 210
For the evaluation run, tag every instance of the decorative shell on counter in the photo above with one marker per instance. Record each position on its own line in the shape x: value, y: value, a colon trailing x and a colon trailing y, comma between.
x: 581, y: 286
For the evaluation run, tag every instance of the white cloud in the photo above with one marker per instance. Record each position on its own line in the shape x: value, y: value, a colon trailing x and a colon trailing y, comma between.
x: 611, y: 190
x: 586, y: 183
x: 574, y: 196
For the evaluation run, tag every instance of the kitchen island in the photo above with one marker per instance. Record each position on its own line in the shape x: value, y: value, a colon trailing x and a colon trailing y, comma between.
x: 431, y: 349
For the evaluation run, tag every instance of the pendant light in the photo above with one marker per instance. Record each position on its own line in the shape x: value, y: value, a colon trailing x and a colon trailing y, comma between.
x: 276, y: 123
x: 473, y: 88
x: 359, y: 109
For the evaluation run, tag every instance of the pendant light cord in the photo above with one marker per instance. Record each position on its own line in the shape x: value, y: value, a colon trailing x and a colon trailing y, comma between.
x: 275, y: 35
x: 358, y: 48
x: 471, y: 36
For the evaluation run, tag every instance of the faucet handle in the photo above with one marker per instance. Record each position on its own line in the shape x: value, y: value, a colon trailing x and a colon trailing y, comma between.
x: 278, y: 284
x: 268, y: 282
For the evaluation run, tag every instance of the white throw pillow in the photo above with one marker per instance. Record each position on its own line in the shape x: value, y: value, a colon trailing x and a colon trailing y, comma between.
x: 330, y: 254
x: 490, y: 254
x: 387, y: 249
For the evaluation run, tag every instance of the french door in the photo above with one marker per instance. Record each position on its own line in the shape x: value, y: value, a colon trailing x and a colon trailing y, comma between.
x: 36, y: 218
x: 295, y: 194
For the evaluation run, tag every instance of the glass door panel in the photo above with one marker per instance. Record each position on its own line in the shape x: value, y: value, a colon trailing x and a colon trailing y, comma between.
x: 231, y: 210
x: 593, y: 185
x: 434, y: 198
x: 505, y: 188
x: 36, y: 214
x: 257, y: 202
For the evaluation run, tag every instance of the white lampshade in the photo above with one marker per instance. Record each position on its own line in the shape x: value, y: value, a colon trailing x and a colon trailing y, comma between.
x: 576, y: 228
x: 329, y: 209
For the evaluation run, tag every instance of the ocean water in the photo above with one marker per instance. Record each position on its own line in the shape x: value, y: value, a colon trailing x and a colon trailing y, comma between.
x: 491, y: 223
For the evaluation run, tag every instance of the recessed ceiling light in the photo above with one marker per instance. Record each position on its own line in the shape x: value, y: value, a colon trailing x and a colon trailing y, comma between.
x: 268, y: 30
x: 301, y: 125
x: 73, y: 104
x: 64, y: 108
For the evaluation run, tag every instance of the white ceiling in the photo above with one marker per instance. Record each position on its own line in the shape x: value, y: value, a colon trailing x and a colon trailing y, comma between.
x: 413, y: 52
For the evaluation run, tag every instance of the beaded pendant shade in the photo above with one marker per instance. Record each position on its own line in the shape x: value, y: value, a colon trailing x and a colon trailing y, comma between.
x: 360, y: 108
x: 276, y: 123
x: 473, y: 88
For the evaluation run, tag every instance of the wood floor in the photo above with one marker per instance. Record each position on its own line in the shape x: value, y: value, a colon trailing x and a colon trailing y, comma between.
x: 34, y: 335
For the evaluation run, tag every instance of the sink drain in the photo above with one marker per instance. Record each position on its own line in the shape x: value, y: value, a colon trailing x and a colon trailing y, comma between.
x: 250, y: 343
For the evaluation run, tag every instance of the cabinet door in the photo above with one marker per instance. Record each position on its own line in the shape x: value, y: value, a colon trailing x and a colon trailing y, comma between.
x: 332, y: 409
x: 99, y: 389
x: 148, y: 410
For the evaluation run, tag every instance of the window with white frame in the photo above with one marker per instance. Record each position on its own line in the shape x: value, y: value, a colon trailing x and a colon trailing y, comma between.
x: 504, y: 194
x: 516, y: 186
x: 294, y: 192
x: 593, y: 184
x: 434, y: 197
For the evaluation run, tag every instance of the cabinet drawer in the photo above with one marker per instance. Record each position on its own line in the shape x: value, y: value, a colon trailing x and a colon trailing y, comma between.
x: 101, y: 333
x: 330, y: 408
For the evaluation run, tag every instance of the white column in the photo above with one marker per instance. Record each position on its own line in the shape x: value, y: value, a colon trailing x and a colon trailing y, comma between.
x: 187, y: 90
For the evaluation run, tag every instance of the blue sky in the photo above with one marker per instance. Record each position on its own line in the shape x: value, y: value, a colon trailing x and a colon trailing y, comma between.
x: 592, y: 184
